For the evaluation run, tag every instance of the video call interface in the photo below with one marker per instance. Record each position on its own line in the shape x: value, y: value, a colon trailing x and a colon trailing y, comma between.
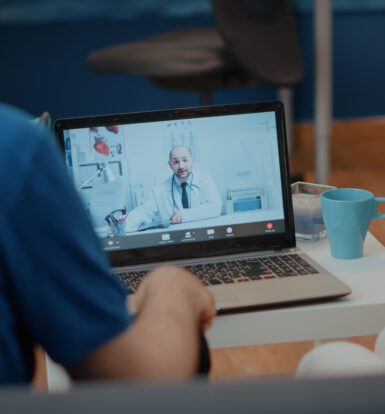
x: 179, y: 181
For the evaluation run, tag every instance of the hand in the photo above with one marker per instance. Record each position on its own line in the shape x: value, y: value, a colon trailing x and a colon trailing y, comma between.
x: 176, y: 217
x: 163, y: 342
x: 177, y: 289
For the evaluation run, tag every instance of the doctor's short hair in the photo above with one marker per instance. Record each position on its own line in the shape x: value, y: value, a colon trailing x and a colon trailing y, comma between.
x: 179, y: 146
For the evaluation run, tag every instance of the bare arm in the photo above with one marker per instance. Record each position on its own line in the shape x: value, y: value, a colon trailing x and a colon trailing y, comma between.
x: 163, y: 342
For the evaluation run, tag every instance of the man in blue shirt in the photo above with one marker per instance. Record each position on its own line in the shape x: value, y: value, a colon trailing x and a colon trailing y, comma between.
x: 56, y: 289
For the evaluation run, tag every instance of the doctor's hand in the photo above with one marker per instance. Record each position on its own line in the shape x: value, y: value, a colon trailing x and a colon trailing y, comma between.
x: 176, y: 217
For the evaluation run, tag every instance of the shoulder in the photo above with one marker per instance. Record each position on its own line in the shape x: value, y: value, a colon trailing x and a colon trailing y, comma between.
x: 162, y: 188
x: 167, y: 183
x: 20, y: 141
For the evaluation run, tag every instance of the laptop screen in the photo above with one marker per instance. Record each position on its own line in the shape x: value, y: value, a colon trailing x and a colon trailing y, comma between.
x: 181, y: 180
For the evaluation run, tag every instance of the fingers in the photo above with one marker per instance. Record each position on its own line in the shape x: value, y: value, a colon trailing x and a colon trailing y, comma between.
x: 164, y: 281
x: 160, y: 282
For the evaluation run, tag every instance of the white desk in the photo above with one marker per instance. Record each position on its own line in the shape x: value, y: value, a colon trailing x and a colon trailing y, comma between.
x: 361, y: 313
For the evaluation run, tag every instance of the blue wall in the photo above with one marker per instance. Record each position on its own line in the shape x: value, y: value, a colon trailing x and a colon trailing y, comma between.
x: 42, y: 66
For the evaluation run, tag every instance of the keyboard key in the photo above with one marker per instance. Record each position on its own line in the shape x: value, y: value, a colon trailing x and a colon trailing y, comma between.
x: 235, y: 271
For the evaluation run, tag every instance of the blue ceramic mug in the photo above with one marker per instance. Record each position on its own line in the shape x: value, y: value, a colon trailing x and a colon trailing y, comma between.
x: 347, y: 213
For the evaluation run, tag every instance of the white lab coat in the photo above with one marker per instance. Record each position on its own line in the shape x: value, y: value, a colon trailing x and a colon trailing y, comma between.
x: 166, y: 198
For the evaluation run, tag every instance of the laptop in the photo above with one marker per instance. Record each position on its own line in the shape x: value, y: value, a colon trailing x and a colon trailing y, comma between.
x: 206, y: 188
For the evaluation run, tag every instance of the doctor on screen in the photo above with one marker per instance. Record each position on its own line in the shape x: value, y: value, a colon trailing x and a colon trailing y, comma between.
x: 183, y: 197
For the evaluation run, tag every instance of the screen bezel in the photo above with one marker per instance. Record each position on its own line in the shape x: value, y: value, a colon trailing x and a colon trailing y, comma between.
x: 210, y: 247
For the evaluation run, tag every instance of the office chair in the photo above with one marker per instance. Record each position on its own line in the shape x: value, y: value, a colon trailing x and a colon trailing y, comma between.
x: 255, y: 41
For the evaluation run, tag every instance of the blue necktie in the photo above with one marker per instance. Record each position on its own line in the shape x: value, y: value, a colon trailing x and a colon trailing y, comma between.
x: 184, y: 196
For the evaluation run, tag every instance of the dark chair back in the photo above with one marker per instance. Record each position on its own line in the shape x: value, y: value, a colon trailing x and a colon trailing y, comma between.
x: 262, y: 36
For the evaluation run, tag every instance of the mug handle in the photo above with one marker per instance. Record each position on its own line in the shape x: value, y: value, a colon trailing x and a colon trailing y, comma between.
x: 378, y: 200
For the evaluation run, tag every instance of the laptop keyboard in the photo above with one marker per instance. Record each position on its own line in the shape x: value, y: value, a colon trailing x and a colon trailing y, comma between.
x: 234, y: 271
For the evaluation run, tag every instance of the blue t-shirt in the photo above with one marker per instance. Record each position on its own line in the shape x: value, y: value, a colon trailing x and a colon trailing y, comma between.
x: 55, y: 286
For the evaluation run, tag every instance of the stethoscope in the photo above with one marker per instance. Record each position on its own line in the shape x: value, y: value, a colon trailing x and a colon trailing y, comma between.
x: 172, y: 189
